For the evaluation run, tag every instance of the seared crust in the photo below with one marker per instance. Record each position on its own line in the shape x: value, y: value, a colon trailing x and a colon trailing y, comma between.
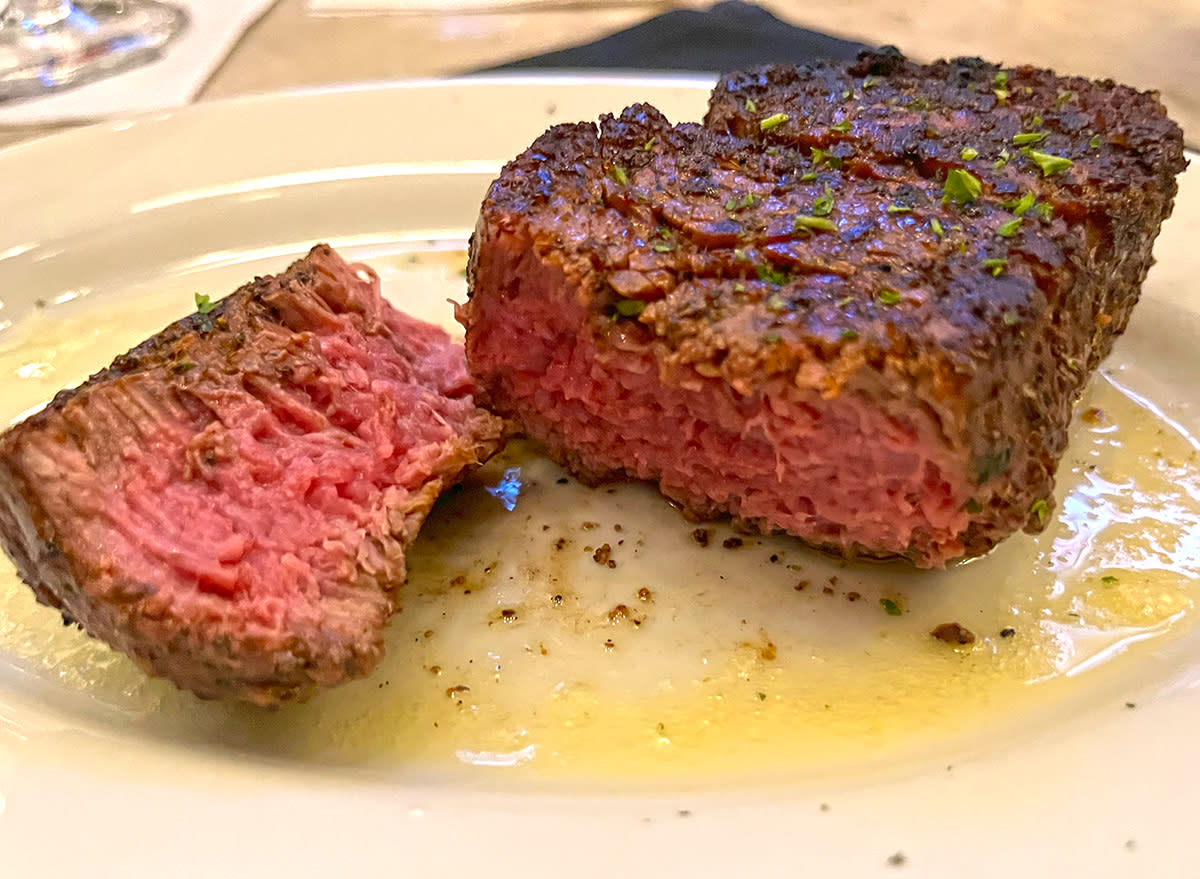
x: 57, y: 511
x: 821, y: 250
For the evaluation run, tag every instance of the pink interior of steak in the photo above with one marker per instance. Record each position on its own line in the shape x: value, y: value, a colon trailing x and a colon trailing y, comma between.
x: 858, y: 468
x: 264, y: 483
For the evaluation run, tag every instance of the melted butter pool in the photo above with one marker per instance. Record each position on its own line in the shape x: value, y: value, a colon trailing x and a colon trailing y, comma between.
x: 561, y: 631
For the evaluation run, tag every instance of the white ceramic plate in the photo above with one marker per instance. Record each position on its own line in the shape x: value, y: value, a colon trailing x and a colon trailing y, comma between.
x: 119, y: 223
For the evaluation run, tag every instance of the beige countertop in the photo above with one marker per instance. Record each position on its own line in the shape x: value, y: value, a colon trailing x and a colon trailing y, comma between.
x: 1149, y: 44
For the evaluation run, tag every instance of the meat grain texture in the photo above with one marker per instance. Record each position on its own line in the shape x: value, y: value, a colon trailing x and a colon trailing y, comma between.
x: 856, y: 305
x: 229, y: 503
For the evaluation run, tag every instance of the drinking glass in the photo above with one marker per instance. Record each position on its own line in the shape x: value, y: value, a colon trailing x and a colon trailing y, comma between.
x: 50, y: 45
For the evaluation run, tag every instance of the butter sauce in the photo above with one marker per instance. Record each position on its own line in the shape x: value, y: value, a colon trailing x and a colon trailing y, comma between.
x: 594, y: 633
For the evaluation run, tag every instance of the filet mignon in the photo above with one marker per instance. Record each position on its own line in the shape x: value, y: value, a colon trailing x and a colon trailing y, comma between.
x: 850, y: 308
x: 229, y: 503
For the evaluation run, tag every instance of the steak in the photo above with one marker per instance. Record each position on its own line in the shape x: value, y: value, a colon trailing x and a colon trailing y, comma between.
x: 857, y: 305
x: 229, y: 503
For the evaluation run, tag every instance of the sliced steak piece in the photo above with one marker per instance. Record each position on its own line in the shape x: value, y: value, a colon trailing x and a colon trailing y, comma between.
x: 871, y: 355
x: 229, y: 503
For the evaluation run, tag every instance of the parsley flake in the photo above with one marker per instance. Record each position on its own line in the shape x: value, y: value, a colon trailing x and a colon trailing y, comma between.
x: 1027, y: 137
x: 823, y: 205
x: 204, y: 304
x: 847, y: 334
x: 890, y: 607
x: 936, y: 226
x: 630, y: 307
x: 962, y: 186
x: 619, y: 175
x: 1045, y: 210
x: 1011, y: 318
x: 1094, y: 143
x: 841, y: 127
x: 773, y: 121
x: 772, y: 275
x: 1109, y: 580
x: 649, y: 145
x: 1009, y: 229
x: 751, y: 107
x: 1050, y: 164
x: 772, y: 338
x: 1040, y: 509
x: 777, y: 304
x: 969, y: 153
x: 664, y: 247
x: 805, y: 222
x: 888, y: 297
x: 996, y: 265
x: 748, y: 200
x: 807, y: 176
x: 899, y: 209
x: 1021, y: 205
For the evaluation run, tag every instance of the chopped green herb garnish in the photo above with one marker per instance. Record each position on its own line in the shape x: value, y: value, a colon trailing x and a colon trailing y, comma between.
x: 804, y: 222
x: 664, y: 247
x: 1002, y: 161
x: 936, y: 226
x: 841, y: 127
x: 1001, y: 94
x: 995, y: 264
x: 777, y: 304
x: 869, y: 82
x: 818, y: 155
x: 1021, y: 205
x: 772, y: 338
x: 1109, y: 579
x: 1049, y: 164
x: 823, y: 205
x: 772, y: 275
x: 1036, y: 122
x: 773, y: 121
x: 1045, y: 210
x: 1009, y: 229
x: 808, y: 175
x: 748, y: 200
x: 1028, y: 137
x: 969, y: 153
x: 618, y: 174
x: 899, y: 209
x: 751, y: 107
x: 844, y: 301
x: 888, y: 297
x: 204, y: 304
x: 1040, y: 509
x: 1001, y: 79
x: 649, y: 145
x: 890, y: 607
x: 962, y: 186
x: 630, y: 307
x: 184, y: 366
x: 1062, y: 100
x: 847, y: 334
x: 1072, y: 364
x: 1095, y: 142
x: 1011, y: 318
x: 847, y: 94
x: 739, y: 287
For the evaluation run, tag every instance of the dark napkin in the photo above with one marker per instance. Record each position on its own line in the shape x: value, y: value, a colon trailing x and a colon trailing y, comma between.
x: 728, y: 36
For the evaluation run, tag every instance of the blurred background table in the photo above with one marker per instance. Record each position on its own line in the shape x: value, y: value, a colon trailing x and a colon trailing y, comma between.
x: 1150, y: 44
